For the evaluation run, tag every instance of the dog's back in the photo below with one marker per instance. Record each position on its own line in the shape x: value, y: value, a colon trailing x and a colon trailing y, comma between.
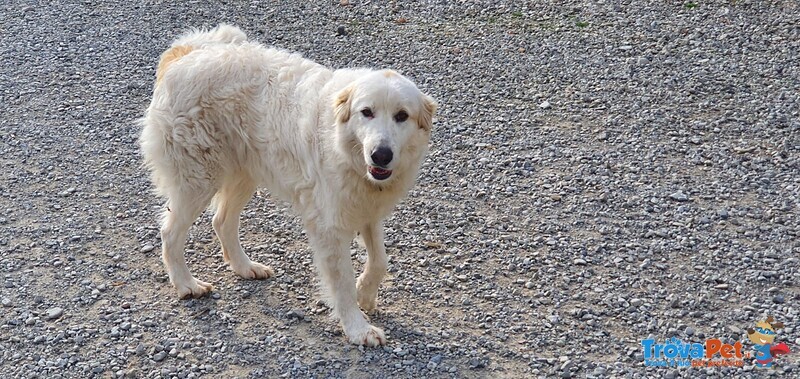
x: 217, y: 99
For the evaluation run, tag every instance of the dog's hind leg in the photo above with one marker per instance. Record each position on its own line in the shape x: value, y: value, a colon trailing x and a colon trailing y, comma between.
x: 183, y: 209
x: 374, y: 269
x: 231, y: 199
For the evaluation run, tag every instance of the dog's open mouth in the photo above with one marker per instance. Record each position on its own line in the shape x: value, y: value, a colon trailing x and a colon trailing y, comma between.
x: 379, y: 173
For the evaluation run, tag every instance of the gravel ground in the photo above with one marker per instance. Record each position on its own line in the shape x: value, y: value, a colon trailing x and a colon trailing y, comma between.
x: 601, y: 173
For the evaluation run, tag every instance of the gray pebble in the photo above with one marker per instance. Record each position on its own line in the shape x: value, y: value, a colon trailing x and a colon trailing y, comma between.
x: 158, y: 357
x: 296, y: 313
x: 54, y: 313
x: 679, y: 196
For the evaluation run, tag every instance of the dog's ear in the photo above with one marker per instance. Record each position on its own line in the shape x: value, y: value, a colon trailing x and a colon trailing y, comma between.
x: 750, y: 331
x: 777, y: 325
x: 341, y: 105
x: 770, y: 319
x: 425, y: 119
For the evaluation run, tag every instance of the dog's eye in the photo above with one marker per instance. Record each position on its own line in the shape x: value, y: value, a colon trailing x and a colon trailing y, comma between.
x: 367, y: 113
x: 401, y: 116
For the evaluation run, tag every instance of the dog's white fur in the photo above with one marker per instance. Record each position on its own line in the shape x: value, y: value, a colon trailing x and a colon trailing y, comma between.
x: 228, y: 116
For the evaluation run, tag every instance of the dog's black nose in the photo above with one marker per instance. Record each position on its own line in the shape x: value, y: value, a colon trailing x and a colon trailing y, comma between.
x: 382, y: 156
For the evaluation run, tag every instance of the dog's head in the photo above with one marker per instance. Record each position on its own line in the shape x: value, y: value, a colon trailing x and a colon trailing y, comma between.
x: 386, y: 124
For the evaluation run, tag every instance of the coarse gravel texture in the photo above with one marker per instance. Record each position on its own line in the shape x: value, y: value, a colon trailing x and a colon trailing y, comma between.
x: 601, y: 172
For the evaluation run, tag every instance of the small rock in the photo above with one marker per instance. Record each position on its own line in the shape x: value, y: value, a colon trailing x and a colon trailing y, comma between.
x: 637, y: 302
x: 722, y: 286
x: 160, y: 356
x: 723, y: 214
x: 778, y: 299
x: 476, y: 363
x: 6, y: 302
x: 679, y: 196
x: 545, y: 105
x: 298, y: 314
x: 54, y: 313
x: 341, y: 31
x: 147, y: 248
x: 579, y: 262
x: 599, y: 371
x: 528, y: 285
x: 689, y: 331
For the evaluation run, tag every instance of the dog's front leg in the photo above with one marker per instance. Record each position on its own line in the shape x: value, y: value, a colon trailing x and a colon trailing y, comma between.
x: 332, y: 258
x: 374, y: 269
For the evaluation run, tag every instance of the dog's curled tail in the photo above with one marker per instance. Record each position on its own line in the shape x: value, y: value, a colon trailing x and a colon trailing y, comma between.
x: 223, y: 33
x: 194, y: 39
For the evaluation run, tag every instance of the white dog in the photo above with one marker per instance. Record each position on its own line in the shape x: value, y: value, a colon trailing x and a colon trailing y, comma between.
x: 343, y: 147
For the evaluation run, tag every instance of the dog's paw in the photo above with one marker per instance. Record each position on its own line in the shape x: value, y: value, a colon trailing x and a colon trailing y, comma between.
x: 367, y: 299
x: 368, y: 336
x: 254, y: 270
x: 193, y: 288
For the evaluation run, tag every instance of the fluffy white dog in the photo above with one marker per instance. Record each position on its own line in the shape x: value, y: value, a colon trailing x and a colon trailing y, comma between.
x: 343, y: 147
